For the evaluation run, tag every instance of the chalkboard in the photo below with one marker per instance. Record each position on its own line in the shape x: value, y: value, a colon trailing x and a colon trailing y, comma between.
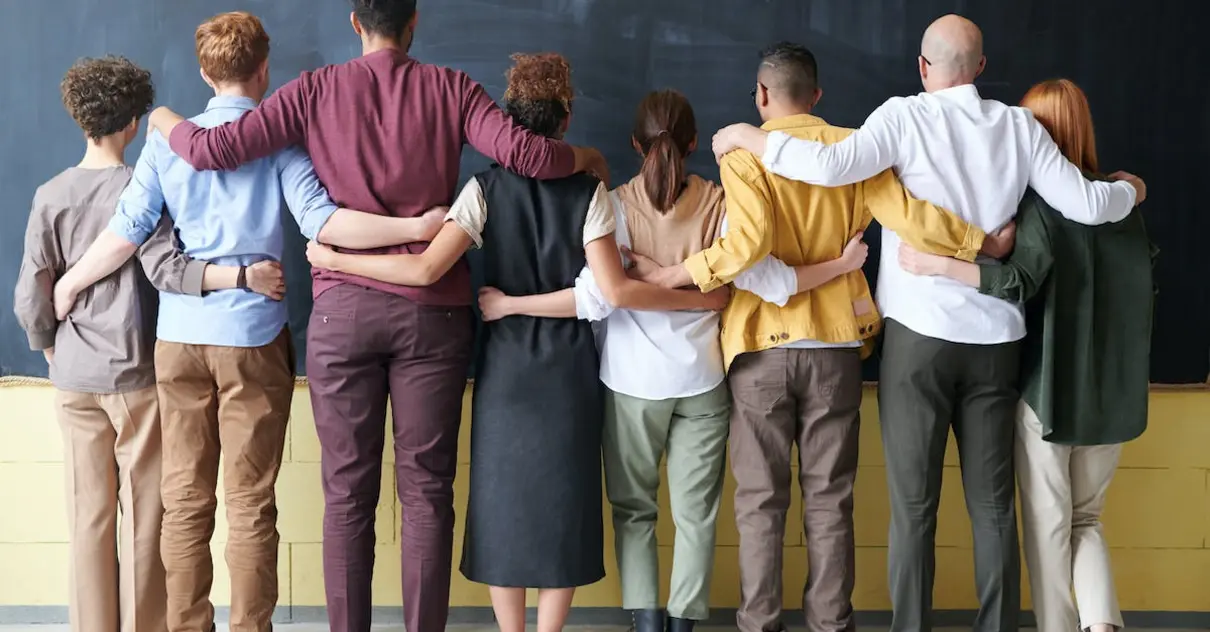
x: 1142, y: 64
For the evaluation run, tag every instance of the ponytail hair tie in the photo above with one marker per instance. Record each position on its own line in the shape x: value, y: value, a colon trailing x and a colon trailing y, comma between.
x: 662, y: 132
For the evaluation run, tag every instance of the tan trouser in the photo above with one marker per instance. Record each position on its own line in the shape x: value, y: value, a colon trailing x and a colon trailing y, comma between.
x: 235, y: 401
x: 1062, y: 493
x: 782, y: 397
x: 111, y: 445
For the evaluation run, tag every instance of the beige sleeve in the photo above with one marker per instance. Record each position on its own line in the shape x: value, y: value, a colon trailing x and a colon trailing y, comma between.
x: 600, y: 221
x: 469, y: 211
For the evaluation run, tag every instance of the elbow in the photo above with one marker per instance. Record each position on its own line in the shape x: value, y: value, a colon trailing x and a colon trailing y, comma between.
x: 427, y: 273
x: 617, y: 295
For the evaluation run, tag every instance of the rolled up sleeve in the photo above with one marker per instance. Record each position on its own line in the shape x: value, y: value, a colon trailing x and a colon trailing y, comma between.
x: 750, y: 218
x: 305, y: 195
x: 142, y: 203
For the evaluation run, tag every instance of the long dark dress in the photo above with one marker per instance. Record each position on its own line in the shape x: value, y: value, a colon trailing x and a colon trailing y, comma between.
x: 534, y: 517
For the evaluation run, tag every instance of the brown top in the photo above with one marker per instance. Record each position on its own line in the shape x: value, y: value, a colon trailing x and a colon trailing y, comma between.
x: 687, y: 228
x: 107, y: 343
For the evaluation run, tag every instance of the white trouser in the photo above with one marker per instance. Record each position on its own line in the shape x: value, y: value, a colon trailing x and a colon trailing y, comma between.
x: 1062, y: 493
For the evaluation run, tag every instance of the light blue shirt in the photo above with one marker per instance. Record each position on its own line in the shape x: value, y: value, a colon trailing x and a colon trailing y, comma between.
x: 226, y: 218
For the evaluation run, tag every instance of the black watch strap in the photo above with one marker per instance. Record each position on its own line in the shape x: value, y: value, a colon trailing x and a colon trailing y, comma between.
x: 241, y: 280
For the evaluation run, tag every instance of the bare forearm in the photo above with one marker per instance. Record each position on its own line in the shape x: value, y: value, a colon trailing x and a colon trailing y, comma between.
x: 673, y: 277
x: 962, y: 272
x: 413, y: 270
x: 361, y: 231
x: 102, y: 258
x: 560, y: 304
x: 638, y: 295
x: 813, y: 276
x: 216, y: 278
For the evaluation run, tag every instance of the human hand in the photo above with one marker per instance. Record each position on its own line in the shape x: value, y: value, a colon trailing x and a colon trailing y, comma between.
x: 999, y: 244
x: 738, y: 136
x: 592, y: 162
x: 854, y: 254
x: 642, y: 267
x: 65, y: 295
x: 431, y: 222
x: 320, y: 255
x: 494, y: 304
x: 920, y: 264
x: 716, y: 300
x: 266, y: 278
x: 1140, y: 187
x: 163, y: 120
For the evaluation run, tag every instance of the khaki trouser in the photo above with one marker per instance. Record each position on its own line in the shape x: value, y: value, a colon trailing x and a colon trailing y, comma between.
x: 111, y: 446
x: 781, y: 397
x: 234, y: 401
x: 1062, y: 494
x: 693, y: 432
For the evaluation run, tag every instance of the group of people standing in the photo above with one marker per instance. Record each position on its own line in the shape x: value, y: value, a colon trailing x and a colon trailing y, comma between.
x: 662, y: 320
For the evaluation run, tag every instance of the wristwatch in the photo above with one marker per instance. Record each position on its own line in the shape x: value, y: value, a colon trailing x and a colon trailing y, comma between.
x: 241, y: 279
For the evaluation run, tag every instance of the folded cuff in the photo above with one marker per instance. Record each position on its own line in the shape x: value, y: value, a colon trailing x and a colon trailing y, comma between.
x: 972, y: 243
x: 41, y: 340
x: 699, y: 270
x: 195, y: 273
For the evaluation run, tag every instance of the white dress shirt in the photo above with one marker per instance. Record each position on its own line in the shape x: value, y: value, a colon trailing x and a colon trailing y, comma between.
x: 973, y: 156
x: 671, y: 354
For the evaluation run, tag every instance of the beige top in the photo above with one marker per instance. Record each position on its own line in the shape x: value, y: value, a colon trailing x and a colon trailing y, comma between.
x: 469, y: 212
x: 107, y: 343
x: 691, y: 225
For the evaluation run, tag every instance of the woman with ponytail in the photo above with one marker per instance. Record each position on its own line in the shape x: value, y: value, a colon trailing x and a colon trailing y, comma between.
x: 666, y: 392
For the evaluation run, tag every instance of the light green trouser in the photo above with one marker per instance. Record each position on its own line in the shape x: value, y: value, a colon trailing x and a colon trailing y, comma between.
x: 693, y: 431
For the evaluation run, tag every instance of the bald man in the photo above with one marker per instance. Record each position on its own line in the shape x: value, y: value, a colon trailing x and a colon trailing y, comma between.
x: 950, y: 354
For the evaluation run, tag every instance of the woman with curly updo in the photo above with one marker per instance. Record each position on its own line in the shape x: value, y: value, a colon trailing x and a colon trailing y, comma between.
x: 534, y: 517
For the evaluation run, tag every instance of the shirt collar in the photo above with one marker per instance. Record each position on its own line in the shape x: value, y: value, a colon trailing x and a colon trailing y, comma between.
x: 239, y: 103
x: 791, y: 122
x: 962, y: 92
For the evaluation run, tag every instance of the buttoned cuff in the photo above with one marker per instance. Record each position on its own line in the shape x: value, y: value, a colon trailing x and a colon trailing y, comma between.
x: 972, y: 243
x: 41, y: 340
x: 774, y: 143
x: 699, y: 270
x: 195, y: 274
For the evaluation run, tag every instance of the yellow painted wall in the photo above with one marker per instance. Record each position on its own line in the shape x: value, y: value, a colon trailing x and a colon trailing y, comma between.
x: 1157, y: 519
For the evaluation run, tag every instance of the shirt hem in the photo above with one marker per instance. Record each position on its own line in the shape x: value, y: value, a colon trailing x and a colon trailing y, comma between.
x: 679, y: 395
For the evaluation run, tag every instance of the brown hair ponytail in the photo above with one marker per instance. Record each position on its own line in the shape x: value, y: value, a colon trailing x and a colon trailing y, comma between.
x: 664, y: 131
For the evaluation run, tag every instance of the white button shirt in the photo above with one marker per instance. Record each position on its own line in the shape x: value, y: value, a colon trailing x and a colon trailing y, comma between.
x: 660, y: 355
x: 973, y: 156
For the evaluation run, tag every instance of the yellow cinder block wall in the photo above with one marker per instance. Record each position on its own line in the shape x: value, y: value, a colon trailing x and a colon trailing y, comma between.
x: 1157, y: 519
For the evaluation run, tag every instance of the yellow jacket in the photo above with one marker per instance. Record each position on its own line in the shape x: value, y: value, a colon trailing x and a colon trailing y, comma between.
x: 802, y: 224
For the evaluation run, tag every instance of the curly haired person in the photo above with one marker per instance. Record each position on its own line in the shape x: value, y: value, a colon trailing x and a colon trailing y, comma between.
x: 101, y: 359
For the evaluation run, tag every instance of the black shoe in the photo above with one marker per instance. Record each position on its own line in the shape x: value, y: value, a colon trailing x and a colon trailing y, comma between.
x: 680, y: 625
x: 647, y: 620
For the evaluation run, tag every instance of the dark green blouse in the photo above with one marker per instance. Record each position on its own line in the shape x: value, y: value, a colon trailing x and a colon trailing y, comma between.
x: 1089, y: 294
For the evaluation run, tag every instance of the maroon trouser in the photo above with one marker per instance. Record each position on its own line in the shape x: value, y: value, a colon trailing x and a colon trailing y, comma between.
x: 362, y: 345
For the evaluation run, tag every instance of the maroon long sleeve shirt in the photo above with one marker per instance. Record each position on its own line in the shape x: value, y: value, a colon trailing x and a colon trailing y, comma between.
x: 385, y: 133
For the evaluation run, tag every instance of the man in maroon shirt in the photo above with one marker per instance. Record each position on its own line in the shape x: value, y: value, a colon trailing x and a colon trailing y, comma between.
x: 385, y: 133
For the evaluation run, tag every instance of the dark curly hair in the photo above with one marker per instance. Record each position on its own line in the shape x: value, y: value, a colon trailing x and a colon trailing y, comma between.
x: 384, y: 17
x: 539, y: 92
x: 105, y: 95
